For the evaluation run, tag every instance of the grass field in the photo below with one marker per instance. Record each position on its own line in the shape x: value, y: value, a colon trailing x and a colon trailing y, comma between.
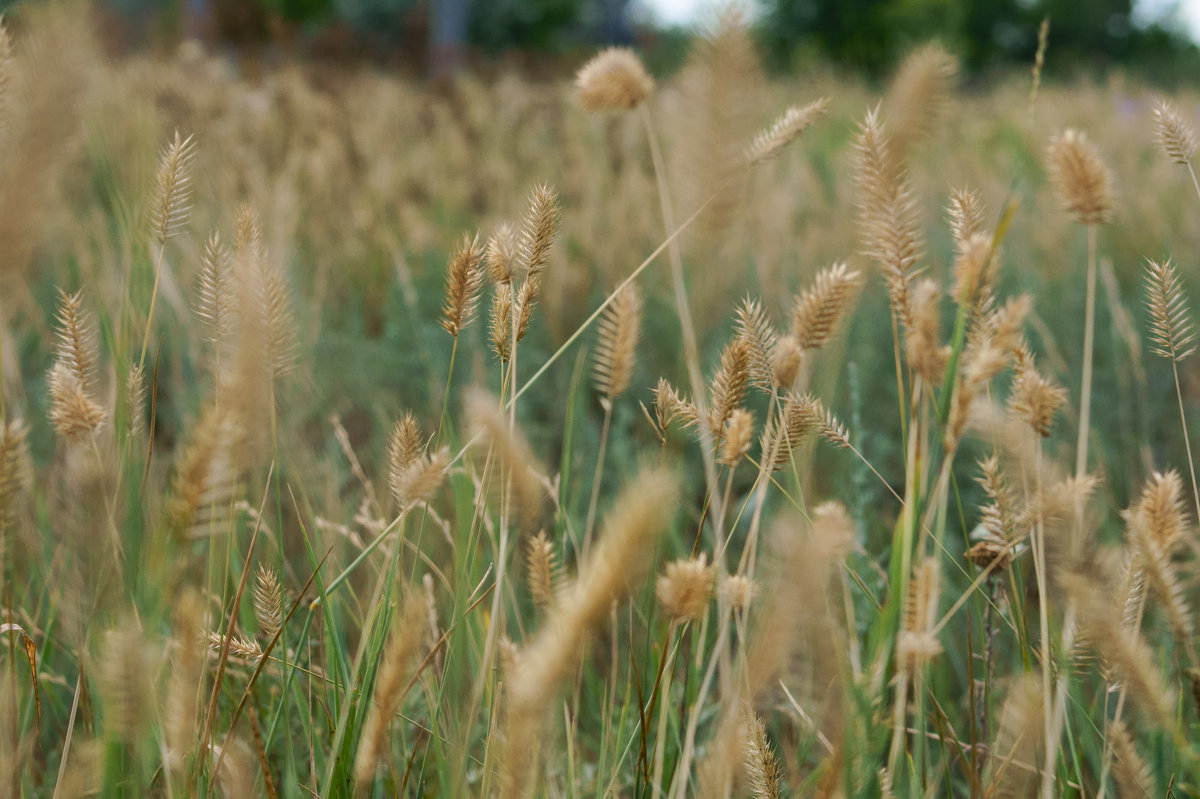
x: 715, y: 436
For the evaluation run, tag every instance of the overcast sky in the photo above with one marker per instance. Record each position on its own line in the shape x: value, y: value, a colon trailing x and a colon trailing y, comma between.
x: 683, y: 12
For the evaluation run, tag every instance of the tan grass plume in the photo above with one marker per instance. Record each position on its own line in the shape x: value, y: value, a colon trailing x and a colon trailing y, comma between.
x: 1080, y: 177
x: 613, y: 80
x: 464, y: 281
x: 616, y: 350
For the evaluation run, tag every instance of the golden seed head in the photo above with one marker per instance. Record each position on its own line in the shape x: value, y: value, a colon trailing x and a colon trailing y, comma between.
x: 614, y: 80
x: 1082, y: 181
x: 1177, y: 137
x: 739, y: 431
x: 785, y: 365
x: 685, y: 588
x: 739, y: 591
x: 502, y: 254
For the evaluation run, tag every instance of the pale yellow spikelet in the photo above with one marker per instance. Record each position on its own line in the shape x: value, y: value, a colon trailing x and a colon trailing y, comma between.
x: 173, y: 195
x: 669, y: 405
x: 794, y: 121
x: 799, y: 416
x: 1015, y: 755
x: 135, y: 399
x: 752, y: 325
x: 1171, y: 331
x: 833, y: 530
x: 965, y: 213
x: 268, y: 603
x: 918, y: 643
x: 538, y: 232
x: 186, y: 681
x: 404, y: 444
x: 1160, y: 511
x: 403, y: 645
x: 215, y: 303
x: 76, y: 338
x: 1034, y: 398
x: 203, y: 487
x: 786, y: 362
x: 249, y: 233
x: 762, y: 767
x: 927, y: 355
x: 1039, y: 61
x: 1080, y: 177
x: 887, y: 213
x: 918, y: 97
x: 75, y: 415
x: 1130, y: 772
x: 486, y: 421
x: 125, y: 689
x: 685, y: 588
x: 15, y: 471
x: 464, y: 280
x: 819, y: 307
x: 7, y: 70
x: 543, y: 570
x: 1175, y: 135
x: 613, y: 80
x: 738, y: 590
x: 525, y: 301
x: 728, y: 386
x: 739, y: 433
x: 972, y: 269
x: 420, y: 479
x: 500, y: 328
x: 616, y: 351
x: 501, y: 256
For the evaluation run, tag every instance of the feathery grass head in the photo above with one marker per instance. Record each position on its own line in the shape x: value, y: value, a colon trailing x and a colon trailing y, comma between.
x: 794, y: 121
x: 613, y: 80
x: 1175, y: 135
x: 918, y: 97
x: 268, y: 602
x: 728, y: 387
x: 215, y: 301
x: 1080, y: 177
x: 173, y: 197
x: 538, y: 232
x: 420, y: 479
x: 819, y: 307
x: 918, y: 644
x: 754, y: 326
x: 464, y: 280
x: 965, y: 213
x: 923, y: 344
x: 1171, y: 331
x: 1034, y: 398
x: 762, y: 767
x: 542, y: 570
x: 74, y: 414
x: 738, y: 590
x: 685, y: 588
x: 501, y: 256
x: 739, y: 433
x: 500, y: 326
x: 616, y: 351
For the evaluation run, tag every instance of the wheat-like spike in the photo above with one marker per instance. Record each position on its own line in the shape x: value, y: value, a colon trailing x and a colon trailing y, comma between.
x: 492, y: 427
x: 1019, y: 740
x: 206, y: 475
x: 829, y: 427
x: 7, y: 73
x: 464, y: 280
x: 526, y: 299
x: 753, y: 325
x: 917, y: 643
x: 186, y: 680
x: 404, y: 446
x: 542, y: 570
x: 15, y: 471
x: 418, y: 481
x: 965, y: 214
x: 1160, y: 511
x: 239, y: 646
x: 248, y: 241
x: 923, y: 345
x: 794, y: 121
x: 918, y: 96
x: 76, y: 348
x: 616, y: 351
x: 762, y: 767
x: 819, y: 307
x: 685, y: 588
x: 214, y: 296
x: 998, y: 518
x: 501, y: 256
x: 728, y: 387
x: 538, y: 232
x: 173, y: 197
x: 1034, y: 398
x: 1080, y: 177
x: 135, y: 399
x: 669, y: 405
x: 1170, y: 320
x: 1177, y: 137
x: 75, y: 415
x: 1130, y: 773
x: 125, y: 689
x: 738, y: 435
x: 800, y: 415
x: 887, y: 213
x: 268, y: 602
x: 278, y: 318
x: 500, y: 327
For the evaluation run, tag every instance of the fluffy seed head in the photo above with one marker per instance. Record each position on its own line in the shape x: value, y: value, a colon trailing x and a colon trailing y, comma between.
x: 738, y: 590
x: 502, y: 254
x: 464, y: 279
x: 794, y: 121
x: 614, y: 80
x: 819, y: 307
x: 1034, y: 398
x: 785, y: 363
x: 616, y: 353
x: 685, y: 587
x: 1170, y: 320
x: 173, y: 198
x: 1082, y: 181
x: 739, y: 432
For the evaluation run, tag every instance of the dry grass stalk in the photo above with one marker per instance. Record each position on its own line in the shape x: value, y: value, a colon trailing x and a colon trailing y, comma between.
x: 76, y: 338
x: 239, y: 646
x: 685, y: 588
x: 7, y: 76
x: 737, y: 437
x: 1082, y: 181
x: 186, y: 681
x: 998, y: 518
x: 403, y: 646
x: 819, y: 307
x: 268, y: 602
x: 917, y: 643
x: 616, y: 351
x: 613, y: 80
x: 620, y: 557
x: 1177, y: 137
x: 206, y: 475
x: 1170, y: 320
x: 1015, y: 756
x: 887, y: 213
x: 464, y: 281
x: 794, y: 121
x: 124, y: 668
x: 15, y: 472
x: 762, y: 767
x: 486, y: 419
x: 918, y: 98
x: 173, y: 196
x: 1130, y: 772
x: 543, y: 571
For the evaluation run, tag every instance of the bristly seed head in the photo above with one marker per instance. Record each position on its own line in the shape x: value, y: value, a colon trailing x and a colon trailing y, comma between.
x: 685, y: 588
x: 614, y: 80
x: 464, y: 280
x: 1177, y: 137
x: 1082, y: 181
